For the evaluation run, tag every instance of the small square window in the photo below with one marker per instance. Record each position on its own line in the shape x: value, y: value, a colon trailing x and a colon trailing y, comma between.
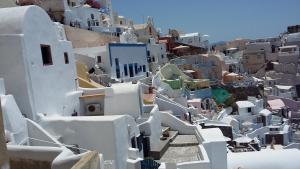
x: 46, y: 55
x: 66, y: 56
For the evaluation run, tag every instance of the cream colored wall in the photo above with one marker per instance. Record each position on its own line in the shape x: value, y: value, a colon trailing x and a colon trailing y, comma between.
x: 89, y: 161
x: 81, y: 38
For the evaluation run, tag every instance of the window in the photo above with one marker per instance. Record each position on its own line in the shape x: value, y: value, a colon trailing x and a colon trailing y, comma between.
x: 162, y: 56
x: 144, y: 68
x: 140, y: 142
x: 46, y: 55
x: 148, y: 53
x: 249, y: 109
x: 136, y: 68
x: 133, y: 142
x: 98, y: 59
x: 117, y: 68
x: 92, y: 16
x: 66, y: 58
x: 125, y: 70
x: 121, y: 23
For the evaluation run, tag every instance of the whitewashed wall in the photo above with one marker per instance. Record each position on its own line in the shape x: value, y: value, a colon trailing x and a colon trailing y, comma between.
x: 37, y: 88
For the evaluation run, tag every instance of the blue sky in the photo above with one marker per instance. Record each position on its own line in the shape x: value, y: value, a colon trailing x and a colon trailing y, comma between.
x: 221, y: 19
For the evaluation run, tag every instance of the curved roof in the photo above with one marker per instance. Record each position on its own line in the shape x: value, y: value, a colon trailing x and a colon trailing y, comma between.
x: 13, y: 19
x: 266, y: 159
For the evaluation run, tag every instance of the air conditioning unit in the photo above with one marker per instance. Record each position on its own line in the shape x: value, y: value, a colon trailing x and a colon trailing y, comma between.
x: 93, y: 109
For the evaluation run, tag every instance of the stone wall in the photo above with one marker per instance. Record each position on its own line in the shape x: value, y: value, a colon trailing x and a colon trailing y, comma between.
x: 81, y: 38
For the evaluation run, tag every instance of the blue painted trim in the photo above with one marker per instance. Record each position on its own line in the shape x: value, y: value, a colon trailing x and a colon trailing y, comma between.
x: 125, y: 45
x: 109, y: 51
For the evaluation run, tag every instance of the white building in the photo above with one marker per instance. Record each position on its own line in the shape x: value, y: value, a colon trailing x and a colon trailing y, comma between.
x: 96, y: 16
x: 193, y: 39
x: 268, y: 159
x: 28, y: 142
x: 116, y: 137
x: 292, y: 39
x: 42, y: 77
x: 284, y: 91
x: 286, y: 69
x: 245, y: 108
x: 126, y: 61
x: 156, y: 54
x: 34, y: 56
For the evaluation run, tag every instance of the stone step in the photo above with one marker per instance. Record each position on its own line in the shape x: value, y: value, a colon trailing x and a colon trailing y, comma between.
x: 163, y: 145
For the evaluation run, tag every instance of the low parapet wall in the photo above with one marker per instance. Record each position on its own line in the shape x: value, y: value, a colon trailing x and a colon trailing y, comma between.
x: 3, y: 151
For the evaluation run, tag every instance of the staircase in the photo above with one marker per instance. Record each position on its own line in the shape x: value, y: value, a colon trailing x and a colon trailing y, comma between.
x: 164, y: 143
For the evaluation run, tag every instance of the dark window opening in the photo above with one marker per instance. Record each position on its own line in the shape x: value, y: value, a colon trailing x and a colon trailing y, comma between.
x: 121, y: 23
x: 117, y: 68
x: 153, y: 59
x: 66, y: 56
x: 125, y: 70
x: 131, y: 74
x: 162, y: 56
x: 136, y: 68
x: 46, y: 55
x: 133, y: 143
x: 92, y: 16
x: 148, y: 53
x: 98, y: 59
x: 144, y: 68
x: 140, y: 142
x: 249, y: 109
x: 273, y: 48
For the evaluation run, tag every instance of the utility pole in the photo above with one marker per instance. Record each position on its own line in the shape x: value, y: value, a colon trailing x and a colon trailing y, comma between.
x: 3, y: 150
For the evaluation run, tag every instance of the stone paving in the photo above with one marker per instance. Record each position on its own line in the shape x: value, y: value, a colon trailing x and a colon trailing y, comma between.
x: 183, y: 148
x: 180, y: 154
x: 184, y: 140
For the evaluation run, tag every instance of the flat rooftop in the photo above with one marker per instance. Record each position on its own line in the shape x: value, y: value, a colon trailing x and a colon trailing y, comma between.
x: 184, y: 140
x: 184, y: 148
x: 180, y: 154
